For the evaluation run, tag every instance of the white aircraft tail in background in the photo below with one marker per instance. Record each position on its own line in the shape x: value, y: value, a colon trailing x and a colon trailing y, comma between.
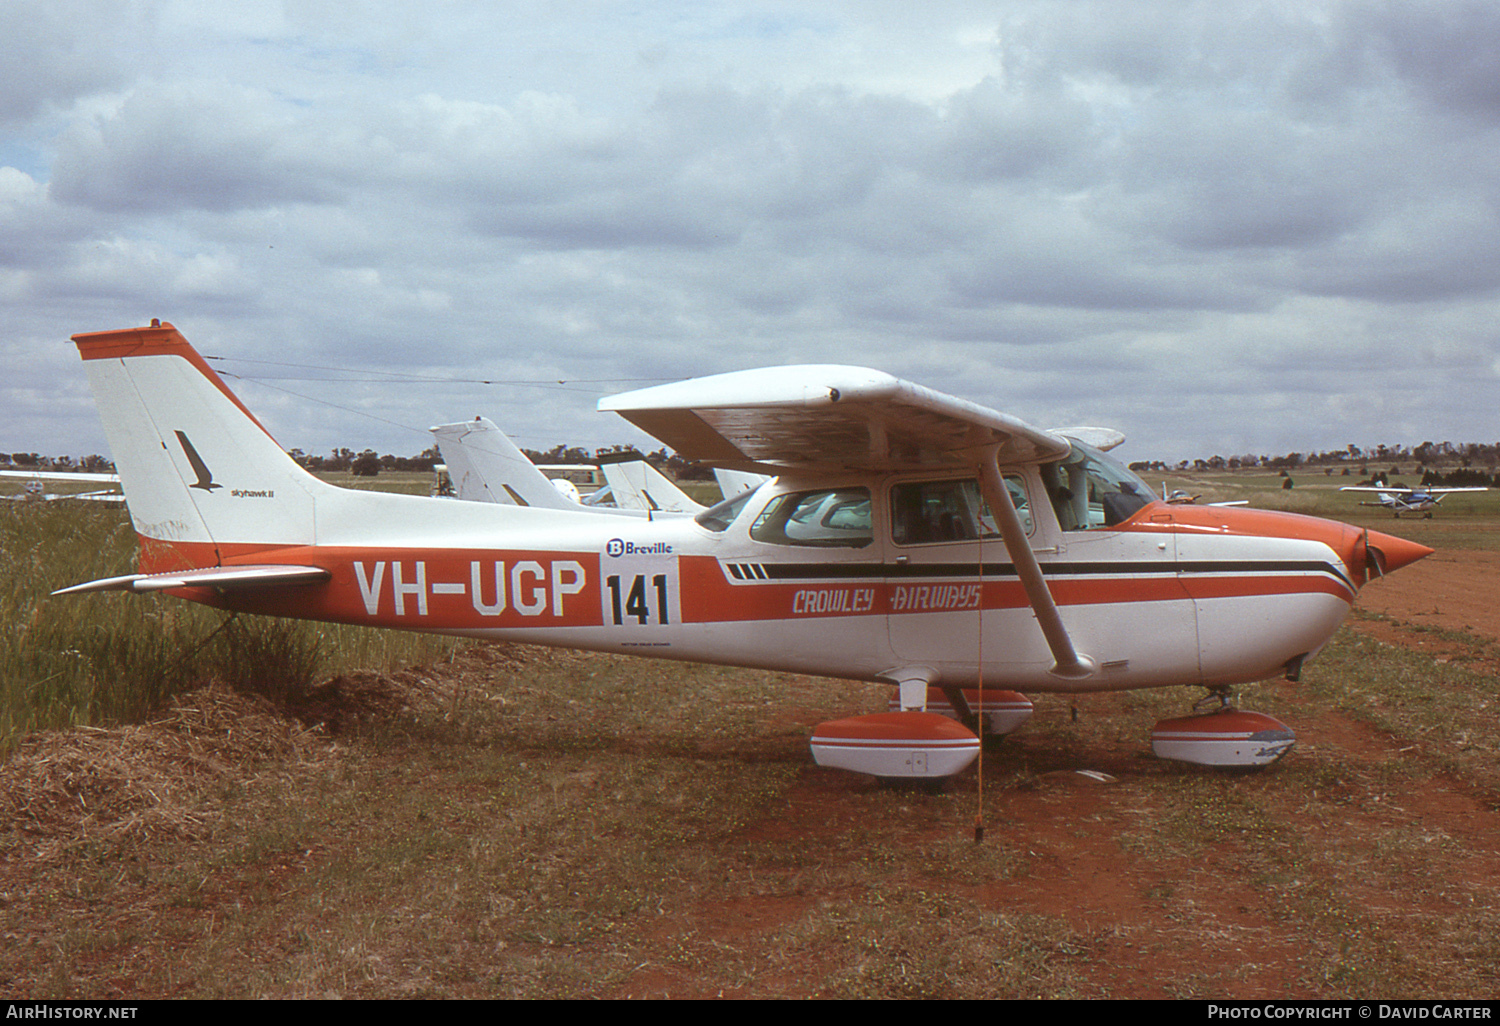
x: 734, y: 482
x: 486, y: 466
x: 635, y: 484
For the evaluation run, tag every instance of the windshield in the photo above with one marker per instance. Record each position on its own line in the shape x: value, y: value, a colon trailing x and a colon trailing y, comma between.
x: 1091, y: 490
x: 720, y: 516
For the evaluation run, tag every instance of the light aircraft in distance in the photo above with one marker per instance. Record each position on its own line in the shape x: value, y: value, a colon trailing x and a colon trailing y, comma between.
x: 1408, y: 500
x: 484, y: 465
x: 908, y: 537
x: 36, y: 487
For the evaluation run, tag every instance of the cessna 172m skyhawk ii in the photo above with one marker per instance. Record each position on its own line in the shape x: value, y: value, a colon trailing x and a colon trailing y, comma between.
x: 908, y: 537
x: 1408, y: 500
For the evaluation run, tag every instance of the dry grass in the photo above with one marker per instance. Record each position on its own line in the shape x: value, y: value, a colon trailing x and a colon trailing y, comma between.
x: 107, y: 659
x: 93, y: 787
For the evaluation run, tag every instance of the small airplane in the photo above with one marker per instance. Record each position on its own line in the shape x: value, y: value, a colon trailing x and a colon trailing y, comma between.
x: 905, y: 536
x: 35, y: 488
x: 484, y: 465
x: 1178, y: 497
x: 1408, y: 500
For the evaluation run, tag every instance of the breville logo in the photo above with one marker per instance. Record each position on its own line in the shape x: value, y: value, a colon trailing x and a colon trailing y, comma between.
x: 620, y: 547
x: 205, y: 476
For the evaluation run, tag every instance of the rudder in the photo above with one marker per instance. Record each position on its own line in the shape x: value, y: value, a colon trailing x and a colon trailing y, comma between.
x: 196, y: 467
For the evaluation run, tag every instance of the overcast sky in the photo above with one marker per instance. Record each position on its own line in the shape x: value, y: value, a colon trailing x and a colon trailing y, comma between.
x: 1222, y: 227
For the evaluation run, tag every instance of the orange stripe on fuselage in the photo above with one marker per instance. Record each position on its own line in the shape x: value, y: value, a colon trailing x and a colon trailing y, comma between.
x: 710, y: 595
x: 432, y: 589
x: 463, y: 589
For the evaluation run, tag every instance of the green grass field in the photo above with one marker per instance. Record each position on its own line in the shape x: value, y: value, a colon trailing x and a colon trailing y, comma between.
x: 110, y: 658
x: 1462, y: 521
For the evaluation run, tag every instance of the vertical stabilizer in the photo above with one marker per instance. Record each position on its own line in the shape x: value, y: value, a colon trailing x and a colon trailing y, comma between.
x: 196, y: 467
x: 735, y: 482
x: 485, y: 466
x: 636, y: 484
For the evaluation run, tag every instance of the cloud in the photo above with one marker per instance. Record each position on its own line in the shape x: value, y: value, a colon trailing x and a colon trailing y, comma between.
x: 1160, y: 216
x: 54, y: 52
x: 193, y: 146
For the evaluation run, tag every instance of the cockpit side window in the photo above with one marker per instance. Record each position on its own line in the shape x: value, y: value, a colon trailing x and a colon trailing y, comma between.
x: 924, y: 512
x: 836, y: 517
x: 1089, y: 490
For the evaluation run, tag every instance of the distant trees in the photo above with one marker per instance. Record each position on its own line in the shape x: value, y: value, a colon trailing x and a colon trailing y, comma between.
x: 1427, y: 455
x: 1441, y: 460
x: 366, y: 464
x: 93, y: 464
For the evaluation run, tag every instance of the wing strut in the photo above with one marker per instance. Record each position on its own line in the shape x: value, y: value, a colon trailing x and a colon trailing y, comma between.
x: 1070, y: 663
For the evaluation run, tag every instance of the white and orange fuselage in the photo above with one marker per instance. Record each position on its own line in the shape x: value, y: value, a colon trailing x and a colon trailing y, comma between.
x: 1168, y: 595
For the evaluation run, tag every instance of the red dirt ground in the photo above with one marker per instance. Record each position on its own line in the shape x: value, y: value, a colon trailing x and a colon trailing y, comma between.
x: 1454, y: 590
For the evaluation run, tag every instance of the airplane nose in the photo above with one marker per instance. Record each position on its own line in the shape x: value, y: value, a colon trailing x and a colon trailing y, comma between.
x: 1385, y: 553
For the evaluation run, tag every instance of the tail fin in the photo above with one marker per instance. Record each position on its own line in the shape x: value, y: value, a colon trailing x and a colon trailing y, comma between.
x: 733, y: 482
x: 636, y: 484
x: 486, y: 466
x: 197, y: 468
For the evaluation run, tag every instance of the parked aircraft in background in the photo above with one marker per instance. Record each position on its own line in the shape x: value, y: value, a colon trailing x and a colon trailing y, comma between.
x: 484, y: 465
x: 1178, y: 497
x: 36, y: 487
x: 733, y: 482
x: 1408, y: 500
x: 908, y: 537
x: 632, y: 483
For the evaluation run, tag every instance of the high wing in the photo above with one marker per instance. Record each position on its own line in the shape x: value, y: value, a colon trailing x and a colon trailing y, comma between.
x: 1103, y: 439
x: 826, y: 417
x: 59, y: 475
x: 36, y: 491
x: 821, y: 418
x: 1408, y: 491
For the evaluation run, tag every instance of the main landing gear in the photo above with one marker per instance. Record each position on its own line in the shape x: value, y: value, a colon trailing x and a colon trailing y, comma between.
x: 934, y: 744
x: 919, y: 745
x: 1222, y: 736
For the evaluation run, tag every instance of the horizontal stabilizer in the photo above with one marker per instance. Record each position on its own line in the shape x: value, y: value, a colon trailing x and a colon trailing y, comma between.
x: 227, y: 578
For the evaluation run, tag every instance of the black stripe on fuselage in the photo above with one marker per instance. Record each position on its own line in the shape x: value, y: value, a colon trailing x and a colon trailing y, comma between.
x: 910, y: 571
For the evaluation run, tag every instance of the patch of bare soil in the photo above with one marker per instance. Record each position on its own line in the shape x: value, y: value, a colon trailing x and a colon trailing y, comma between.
x: 1449, y: 591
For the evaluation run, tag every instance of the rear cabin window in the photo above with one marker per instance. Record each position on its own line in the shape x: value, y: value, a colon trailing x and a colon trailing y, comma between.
x: 831, y: 518
x: 924, y: 512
